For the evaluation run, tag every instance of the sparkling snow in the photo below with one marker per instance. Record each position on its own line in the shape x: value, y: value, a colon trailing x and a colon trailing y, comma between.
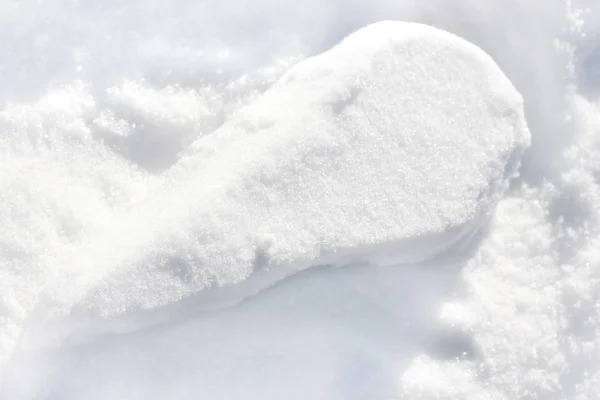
x: 278, y: 200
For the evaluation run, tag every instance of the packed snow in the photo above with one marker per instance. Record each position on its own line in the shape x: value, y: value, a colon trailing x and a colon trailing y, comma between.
x: 228, y: 201
x: 332, y: 165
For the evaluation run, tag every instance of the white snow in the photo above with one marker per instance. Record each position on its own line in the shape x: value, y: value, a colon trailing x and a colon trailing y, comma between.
x: 166, y: 165
x: 353, y: 156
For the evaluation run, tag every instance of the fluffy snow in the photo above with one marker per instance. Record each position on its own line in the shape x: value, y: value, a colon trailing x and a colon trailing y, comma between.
x: 167, y: 165
x: 332, y: 165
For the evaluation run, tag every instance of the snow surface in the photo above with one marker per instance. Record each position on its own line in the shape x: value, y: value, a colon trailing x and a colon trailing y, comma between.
x: 140, y: 139
x: 332, y: 165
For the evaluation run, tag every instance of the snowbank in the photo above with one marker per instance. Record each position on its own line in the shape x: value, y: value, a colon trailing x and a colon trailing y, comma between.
x: 99, y: 98
x: 389, y: 148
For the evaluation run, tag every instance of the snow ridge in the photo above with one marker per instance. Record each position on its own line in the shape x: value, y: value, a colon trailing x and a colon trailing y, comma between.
x: 389, y: 148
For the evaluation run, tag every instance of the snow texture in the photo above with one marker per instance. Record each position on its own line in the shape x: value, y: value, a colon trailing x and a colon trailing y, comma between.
x: 166, y: 164
x: 356, y: 155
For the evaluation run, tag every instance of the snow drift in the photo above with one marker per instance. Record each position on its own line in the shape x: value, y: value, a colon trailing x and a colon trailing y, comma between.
x: 100, y: 98
x: 389, y: 148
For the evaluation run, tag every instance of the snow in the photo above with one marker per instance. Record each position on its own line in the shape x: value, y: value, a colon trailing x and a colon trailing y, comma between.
x: 331, y: 165
x: 141, y: 139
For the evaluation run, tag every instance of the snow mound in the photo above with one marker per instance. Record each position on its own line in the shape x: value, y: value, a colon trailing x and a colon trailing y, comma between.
x: 391, y: 147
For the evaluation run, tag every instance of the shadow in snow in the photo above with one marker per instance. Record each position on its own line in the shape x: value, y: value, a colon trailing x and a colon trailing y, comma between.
x: 336, y: 333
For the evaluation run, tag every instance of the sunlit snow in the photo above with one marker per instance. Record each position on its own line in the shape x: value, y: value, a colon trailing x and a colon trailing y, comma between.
x: 268, y: 200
